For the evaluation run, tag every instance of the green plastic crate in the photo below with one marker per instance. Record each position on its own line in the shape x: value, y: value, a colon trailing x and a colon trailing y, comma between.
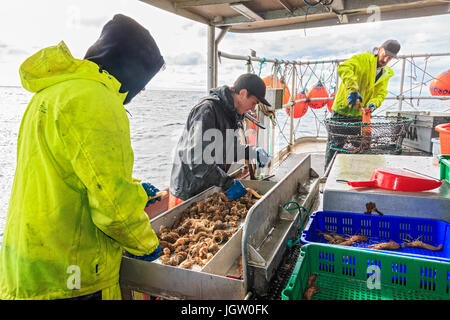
x: 444, y: 161
x: 344, y: 274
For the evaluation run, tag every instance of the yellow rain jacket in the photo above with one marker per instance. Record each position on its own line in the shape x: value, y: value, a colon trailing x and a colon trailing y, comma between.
x: 358, y: 75
x: 74, y: 204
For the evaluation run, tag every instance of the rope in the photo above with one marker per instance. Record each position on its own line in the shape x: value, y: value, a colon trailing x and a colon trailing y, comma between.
x: 310, y: 75
x: 353, y: 124
x: 281, y: 131
x: 298, y: 207
x: 421, y: 82
x: 260, y: 66
x: 359, y: 151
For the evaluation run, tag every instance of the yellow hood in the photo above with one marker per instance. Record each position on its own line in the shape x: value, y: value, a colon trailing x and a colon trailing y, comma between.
x: 55, y: 64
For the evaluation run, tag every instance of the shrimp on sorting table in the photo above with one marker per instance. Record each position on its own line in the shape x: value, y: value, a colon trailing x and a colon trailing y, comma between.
x: 354, y: 239
x: 332, y: 238
x: 422, y: 245
x: 312, y: 287
x: 311, y: 279
x: 310, y: 291
x: 391, y: 245
x: 326, y: 236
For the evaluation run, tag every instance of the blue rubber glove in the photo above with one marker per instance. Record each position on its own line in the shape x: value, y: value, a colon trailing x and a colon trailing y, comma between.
x: 262, y: 157
x: 352, y: 97
x: 236, y: 190
x: 151, y: 190
x: 371, y: 107
x: 149, y: 257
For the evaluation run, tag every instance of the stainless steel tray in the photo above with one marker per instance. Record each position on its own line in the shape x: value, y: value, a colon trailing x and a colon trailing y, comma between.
x: 262, y: 238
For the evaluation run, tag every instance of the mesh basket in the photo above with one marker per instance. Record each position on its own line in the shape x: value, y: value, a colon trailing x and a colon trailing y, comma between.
x: 383, y: 135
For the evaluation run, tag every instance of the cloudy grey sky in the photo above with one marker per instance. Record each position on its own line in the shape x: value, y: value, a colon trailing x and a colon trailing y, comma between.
x: 27, y: 26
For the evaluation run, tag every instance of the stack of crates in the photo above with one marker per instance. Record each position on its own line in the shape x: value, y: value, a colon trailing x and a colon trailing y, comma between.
x: 359, y: 272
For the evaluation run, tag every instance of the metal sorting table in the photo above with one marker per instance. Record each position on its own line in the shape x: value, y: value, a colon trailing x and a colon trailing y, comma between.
x: 261, y: 241
x: 338, y: 196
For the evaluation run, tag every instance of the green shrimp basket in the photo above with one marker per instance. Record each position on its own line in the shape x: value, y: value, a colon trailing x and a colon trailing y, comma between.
x: 351, y: 274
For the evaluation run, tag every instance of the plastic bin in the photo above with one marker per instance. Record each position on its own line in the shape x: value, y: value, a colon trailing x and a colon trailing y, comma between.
x: 444, y: 137
x: 348, y: 274
x: 444, y: 162
x: 382, y: 229
x: 422, y: 128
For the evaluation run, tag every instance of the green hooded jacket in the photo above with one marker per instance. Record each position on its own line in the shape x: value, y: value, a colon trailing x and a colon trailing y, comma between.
x: 358, y: 75
x: 74, y: 204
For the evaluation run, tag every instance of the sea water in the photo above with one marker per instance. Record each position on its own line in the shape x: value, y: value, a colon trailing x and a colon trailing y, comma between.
x: 157, y: 119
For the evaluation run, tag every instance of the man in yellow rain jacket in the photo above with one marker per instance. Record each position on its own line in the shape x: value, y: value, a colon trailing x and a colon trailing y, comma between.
x: 365, y: 77
x: 74, y: 204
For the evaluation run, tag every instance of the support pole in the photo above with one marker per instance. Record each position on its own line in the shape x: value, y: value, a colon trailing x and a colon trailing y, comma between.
x: 291, y: 129
x: 337, y: 78
x: 402, y: 80
x: 216, y: 55
x: 210, y: 59
x: 249, y: 65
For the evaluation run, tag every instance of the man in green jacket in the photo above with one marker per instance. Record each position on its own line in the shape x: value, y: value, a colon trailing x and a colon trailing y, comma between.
x: 364, y: 80
x: 74, y: 204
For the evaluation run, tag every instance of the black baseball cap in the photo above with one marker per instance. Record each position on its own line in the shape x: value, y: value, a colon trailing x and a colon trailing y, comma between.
x: 392, y: 47
x: 254, y: 85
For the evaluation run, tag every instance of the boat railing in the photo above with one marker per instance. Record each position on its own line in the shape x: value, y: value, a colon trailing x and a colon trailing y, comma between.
x: 413, y: 70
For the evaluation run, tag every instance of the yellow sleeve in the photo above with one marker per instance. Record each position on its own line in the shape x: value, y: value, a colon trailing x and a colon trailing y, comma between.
x: 97, y: 138
x: 348, y: 71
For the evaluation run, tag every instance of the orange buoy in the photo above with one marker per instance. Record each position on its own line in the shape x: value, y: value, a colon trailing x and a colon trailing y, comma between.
x: 440, y: 86
x: 330, y: 102
x: 300, y: 108
x: 317, y: 91
x: 286, y: 94
x: 252, y: 133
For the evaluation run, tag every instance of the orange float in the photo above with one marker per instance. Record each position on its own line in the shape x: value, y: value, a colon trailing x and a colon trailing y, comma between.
x: 440, y: 86
x: 252, y: 133
x: 317, y: 91
x: 330, y: 102
x: 300, y: 108
x: 286, y: 94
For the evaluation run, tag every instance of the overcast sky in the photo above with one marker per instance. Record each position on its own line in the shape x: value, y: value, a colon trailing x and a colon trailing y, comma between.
x: 28, y: 26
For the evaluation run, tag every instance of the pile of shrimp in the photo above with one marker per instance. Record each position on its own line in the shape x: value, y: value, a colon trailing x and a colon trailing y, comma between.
x: 195, y: 237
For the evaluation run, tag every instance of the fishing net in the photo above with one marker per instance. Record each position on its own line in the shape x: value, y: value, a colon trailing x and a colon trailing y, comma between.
x: 383, y: 135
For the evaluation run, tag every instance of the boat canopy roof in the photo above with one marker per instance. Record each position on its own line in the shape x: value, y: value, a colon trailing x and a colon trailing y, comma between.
x: 277, y: 15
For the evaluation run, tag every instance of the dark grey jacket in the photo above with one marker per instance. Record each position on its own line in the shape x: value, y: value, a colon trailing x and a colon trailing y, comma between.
x: 208, y: 146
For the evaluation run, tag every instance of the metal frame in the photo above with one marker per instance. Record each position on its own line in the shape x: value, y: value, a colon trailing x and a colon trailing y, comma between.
x: 261, y: 240
x: 263, y: 16
x: 293, y: 63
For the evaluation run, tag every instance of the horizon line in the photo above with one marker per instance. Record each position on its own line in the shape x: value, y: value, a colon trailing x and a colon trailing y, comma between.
x: 147, y: 89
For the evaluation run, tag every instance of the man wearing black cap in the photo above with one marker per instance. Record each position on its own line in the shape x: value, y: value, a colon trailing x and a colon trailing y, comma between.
x: 210, y: 143
x: 74, y: 204
x: 364, y: 80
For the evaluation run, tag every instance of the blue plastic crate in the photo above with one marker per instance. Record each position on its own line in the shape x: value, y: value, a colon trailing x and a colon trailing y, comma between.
x: 382, y: 229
